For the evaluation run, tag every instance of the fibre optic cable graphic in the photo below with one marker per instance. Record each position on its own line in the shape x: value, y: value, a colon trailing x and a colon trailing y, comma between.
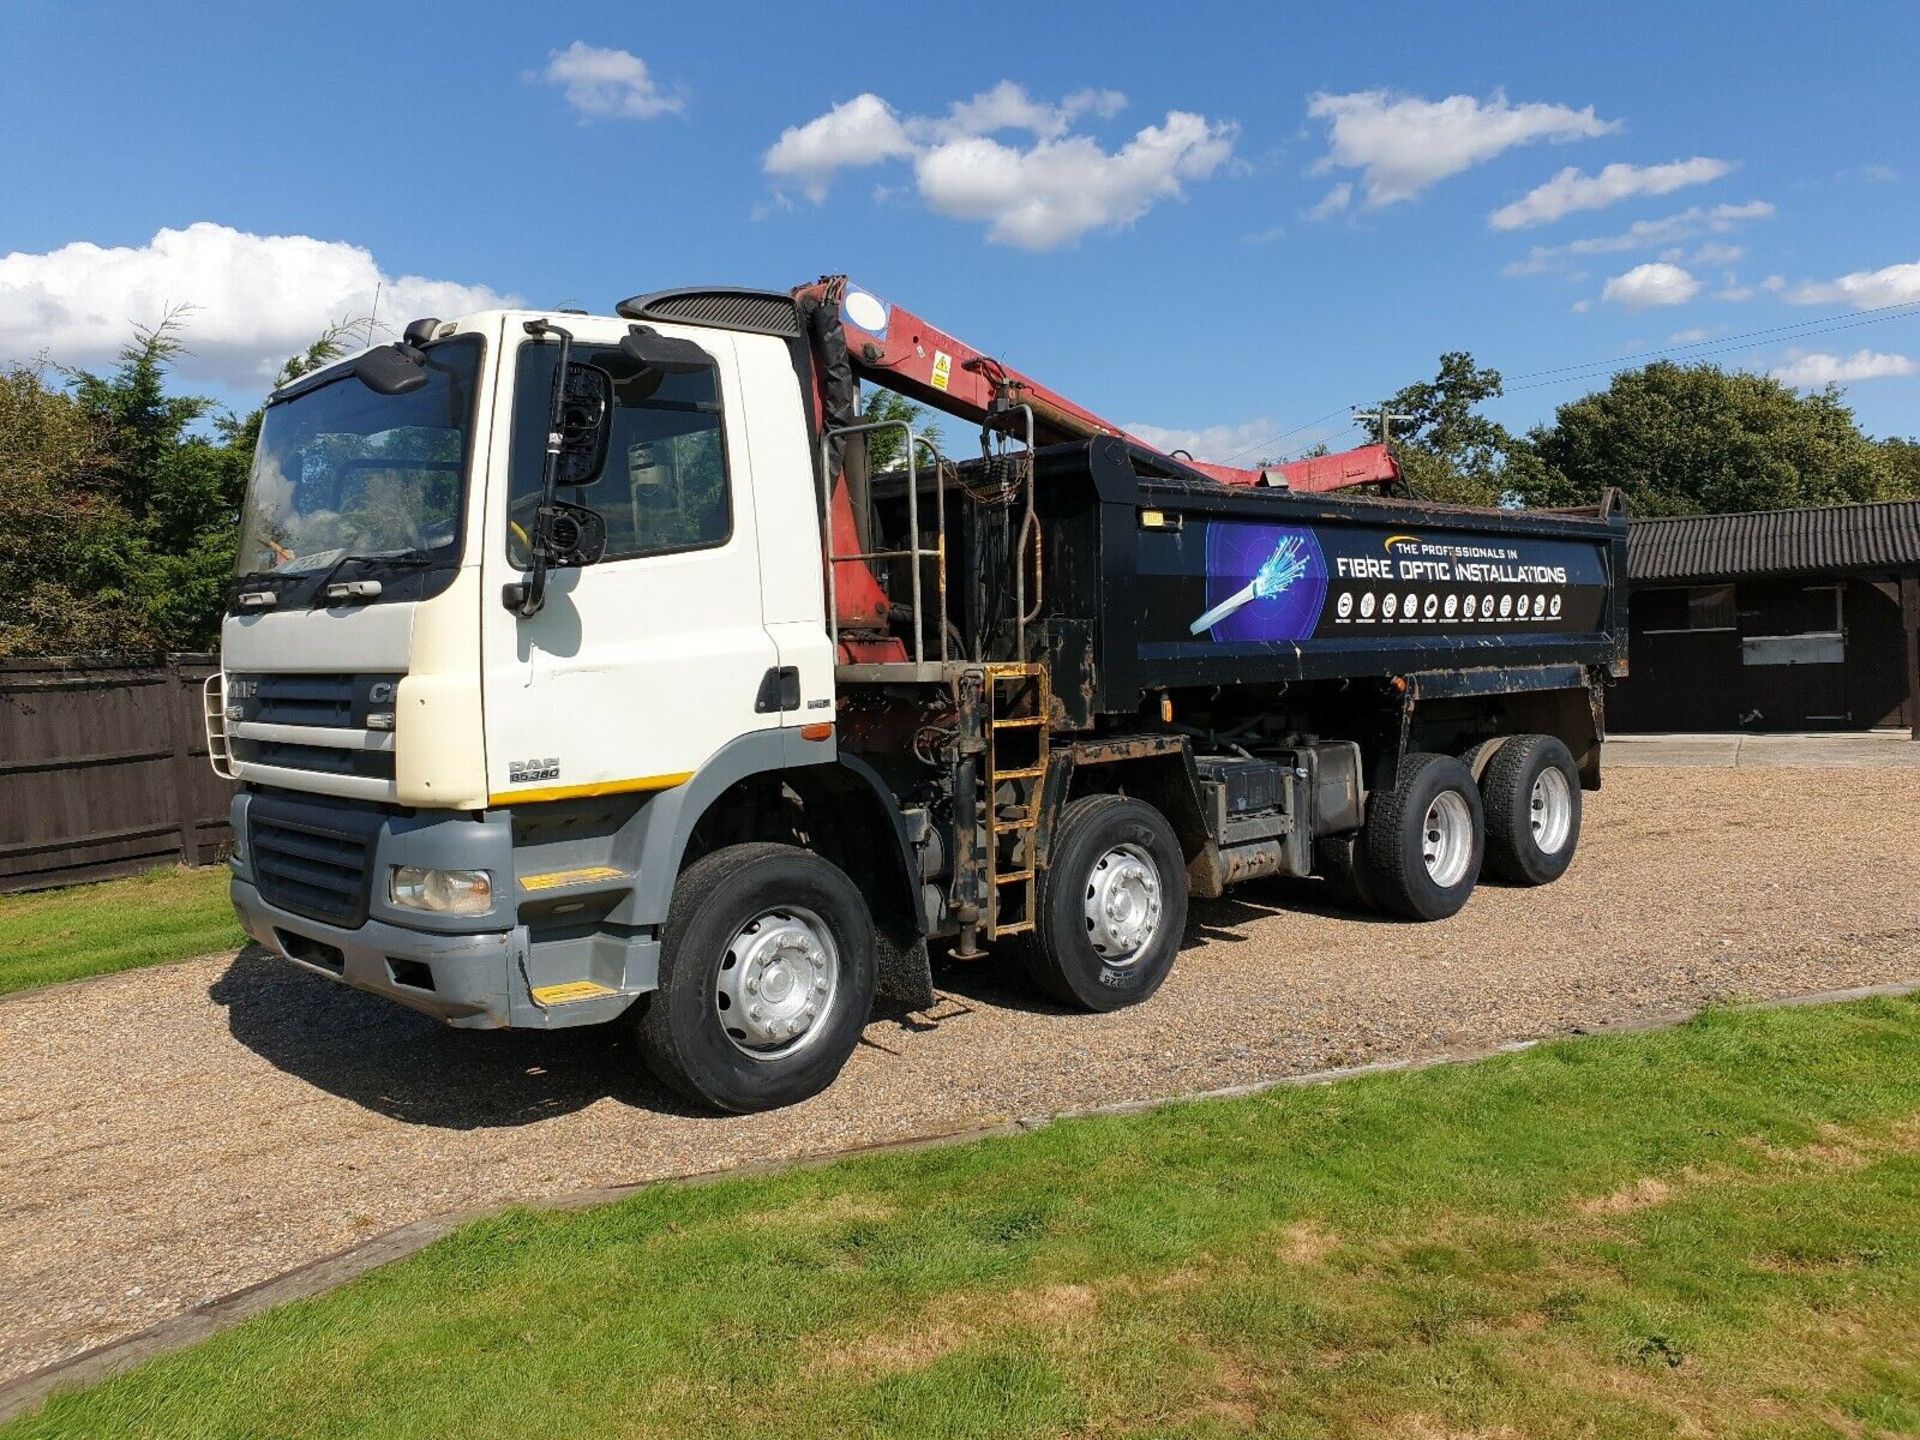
x: 1286, y: 565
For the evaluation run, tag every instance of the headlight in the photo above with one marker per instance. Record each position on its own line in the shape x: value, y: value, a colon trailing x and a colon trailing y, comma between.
x: 449, y: 892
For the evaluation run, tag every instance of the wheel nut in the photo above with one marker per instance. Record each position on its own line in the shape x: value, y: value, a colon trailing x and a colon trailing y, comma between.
x: 820, y: 986
x: 756, y: 1014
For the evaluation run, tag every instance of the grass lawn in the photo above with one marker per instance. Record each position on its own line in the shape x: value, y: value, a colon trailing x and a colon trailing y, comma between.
x: 167, y: 914
x: 1713, y: 1230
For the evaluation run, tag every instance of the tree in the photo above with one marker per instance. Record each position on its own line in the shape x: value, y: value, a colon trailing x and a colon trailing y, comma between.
x: 1903, y: 467
x: 1446, y: 450
x: 886, y: 449
x: 66, y: 549
x: 1695, y: 439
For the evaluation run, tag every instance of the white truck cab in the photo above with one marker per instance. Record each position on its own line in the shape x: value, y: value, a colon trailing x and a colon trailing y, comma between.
x: 387, y: 711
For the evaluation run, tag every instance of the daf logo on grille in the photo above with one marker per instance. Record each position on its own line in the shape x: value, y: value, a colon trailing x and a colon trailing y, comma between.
x: 380, y: 692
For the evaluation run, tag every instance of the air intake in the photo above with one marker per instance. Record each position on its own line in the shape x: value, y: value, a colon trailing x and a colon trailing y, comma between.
x: 761, y: 312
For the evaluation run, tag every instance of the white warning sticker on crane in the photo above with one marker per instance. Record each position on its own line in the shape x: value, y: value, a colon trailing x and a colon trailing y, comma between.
x: 942, y: 369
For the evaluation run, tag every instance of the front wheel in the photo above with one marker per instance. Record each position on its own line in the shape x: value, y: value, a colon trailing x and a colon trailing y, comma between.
x: 766, y: 979
x: 1112, y: 904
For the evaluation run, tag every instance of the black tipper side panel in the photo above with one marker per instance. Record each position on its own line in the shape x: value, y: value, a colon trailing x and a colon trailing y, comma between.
x: 1305, y: 588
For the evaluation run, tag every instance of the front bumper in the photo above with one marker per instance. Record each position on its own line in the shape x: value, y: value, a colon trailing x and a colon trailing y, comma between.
x: 466, y: 980
x: 478, y: 972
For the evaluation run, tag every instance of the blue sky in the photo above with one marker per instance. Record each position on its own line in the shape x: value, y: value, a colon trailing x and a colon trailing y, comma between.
x: 1141, y: 204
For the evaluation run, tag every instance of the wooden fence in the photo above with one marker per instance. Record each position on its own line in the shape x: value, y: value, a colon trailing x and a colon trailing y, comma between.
x: 103, y: 770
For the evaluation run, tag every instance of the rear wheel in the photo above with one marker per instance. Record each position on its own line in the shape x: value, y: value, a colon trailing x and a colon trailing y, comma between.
x: 1424, y: 839
x: 1112, y: 904
x: 1532, y: 793
x: 766, y: 979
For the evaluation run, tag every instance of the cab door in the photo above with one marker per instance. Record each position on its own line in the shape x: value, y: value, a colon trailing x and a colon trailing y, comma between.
x: 640, y: 667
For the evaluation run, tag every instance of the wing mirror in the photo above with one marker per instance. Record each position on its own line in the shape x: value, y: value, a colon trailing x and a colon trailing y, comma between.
x: 391, y: 369
x: 646, y: 346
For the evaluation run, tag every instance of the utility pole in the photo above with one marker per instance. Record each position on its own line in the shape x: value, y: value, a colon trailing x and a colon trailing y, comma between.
x: 1382, y: 421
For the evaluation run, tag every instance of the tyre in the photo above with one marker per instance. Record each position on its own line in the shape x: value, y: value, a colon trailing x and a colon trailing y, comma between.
x: 1342, y: 861
x: 1424, y: 839
x: 766, y: 979
x: 1112, y: 905
x: 1531, y: 790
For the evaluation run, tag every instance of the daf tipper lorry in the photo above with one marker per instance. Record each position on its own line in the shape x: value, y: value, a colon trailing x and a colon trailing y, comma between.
x: 587, y: 667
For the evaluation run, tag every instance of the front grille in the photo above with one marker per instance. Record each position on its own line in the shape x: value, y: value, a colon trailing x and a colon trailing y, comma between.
x: 324, y: 759
x: 344, y: 704
x: 313, y: 860
x: 303, y: 700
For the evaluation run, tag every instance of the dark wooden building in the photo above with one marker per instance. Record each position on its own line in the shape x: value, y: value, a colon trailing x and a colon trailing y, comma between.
x: 1774, y: 620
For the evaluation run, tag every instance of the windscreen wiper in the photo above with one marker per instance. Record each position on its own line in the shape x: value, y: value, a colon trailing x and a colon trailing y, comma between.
x: 326, y: 591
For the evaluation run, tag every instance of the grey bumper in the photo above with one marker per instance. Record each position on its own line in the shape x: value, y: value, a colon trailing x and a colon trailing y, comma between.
x: 477, y: 982
x: 462, y: 979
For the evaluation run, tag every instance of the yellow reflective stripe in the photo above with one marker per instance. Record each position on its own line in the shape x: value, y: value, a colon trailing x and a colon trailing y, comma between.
x: 571, y: 990
x: 587, y: 792
x: 553, y: 880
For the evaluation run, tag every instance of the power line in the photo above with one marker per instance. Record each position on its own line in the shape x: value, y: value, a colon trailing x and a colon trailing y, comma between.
x: 1591, y: 369
x: 1718, y: 345
x: 1284, y: 434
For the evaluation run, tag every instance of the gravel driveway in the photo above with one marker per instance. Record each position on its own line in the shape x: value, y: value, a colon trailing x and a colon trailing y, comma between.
x: 174, y: 1134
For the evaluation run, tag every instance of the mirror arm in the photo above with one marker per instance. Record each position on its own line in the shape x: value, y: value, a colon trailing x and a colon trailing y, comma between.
x: 533, y: 594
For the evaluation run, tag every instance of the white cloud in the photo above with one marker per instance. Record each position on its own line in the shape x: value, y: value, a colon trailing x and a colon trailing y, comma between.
x: 257, y: 298
x: 1104, y: 103
x: 609, y: 84
x: 1241, y: 444
x: 1035, y: 195
x: 1735, y: 292
x: 1694, y: 221
x: 1007, y: 106
x: 1649, y: 285
x: 1333, y: 202
x: 1806, y: 370
x: 1580, y: 307
x: 1715, y: 252
x: 1879, y: 174
x: 856, y: 133
x: 1572, y: 189
x: 1863, y: 289
x: 1401, y: 144
x: 1690, y: 337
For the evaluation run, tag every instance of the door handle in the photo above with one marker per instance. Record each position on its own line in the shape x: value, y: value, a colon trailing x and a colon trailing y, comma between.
x: 779, y: 690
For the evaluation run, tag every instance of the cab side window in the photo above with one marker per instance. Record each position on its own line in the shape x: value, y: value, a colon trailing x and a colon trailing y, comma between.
x: 664, y: 486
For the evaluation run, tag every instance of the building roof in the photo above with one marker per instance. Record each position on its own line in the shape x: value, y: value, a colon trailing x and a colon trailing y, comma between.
x: 1878, y: 537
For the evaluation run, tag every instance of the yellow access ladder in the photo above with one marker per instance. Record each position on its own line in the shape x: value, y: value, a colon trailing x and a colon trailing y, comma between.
x: 1017, y: 701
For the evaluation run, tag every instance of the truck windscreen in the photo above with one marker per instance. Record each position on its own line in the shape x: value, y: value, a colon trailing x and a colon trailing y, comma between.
x: 342, y: 473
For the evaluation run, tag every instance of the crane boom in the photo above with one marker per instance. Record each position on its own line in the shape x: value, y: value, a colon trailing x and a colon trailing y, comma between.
x: 890, y: 346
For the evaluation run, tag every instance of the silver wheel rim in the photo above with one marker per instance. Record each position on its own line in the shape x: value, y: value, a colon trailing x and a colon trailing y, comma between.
x: 1123, y: 904
x: 777, y: 983
x: 1550, y: 810
x: 1446, y: 839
